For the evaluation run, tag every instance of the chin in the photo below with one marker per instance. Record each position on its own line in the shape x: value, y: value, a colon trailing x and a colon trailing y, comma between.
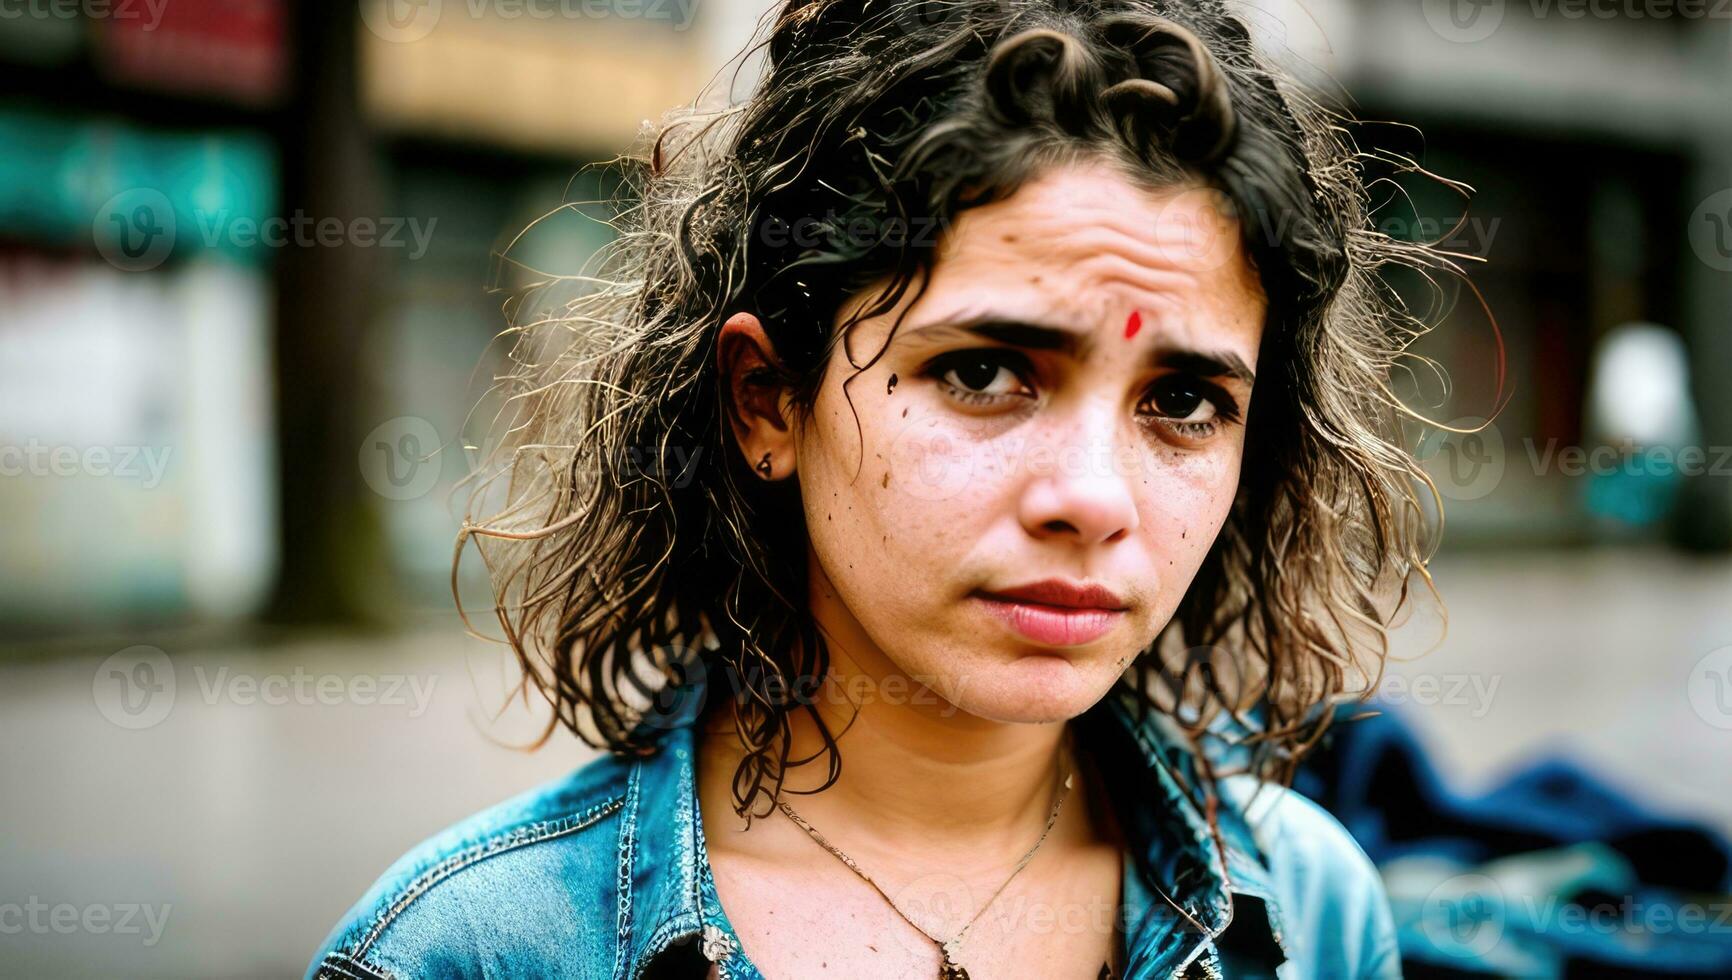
x: 1036, y: 689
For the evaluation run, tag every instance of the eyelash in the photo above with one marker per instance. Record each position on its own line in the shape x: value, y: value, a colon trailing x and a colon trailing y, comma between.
x: 943, y: 364
x: 1226, y: 409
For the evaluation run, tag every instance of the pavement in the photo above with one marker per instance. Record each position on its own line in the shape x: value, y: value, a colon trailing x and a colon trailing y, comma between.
x: 210, y: 810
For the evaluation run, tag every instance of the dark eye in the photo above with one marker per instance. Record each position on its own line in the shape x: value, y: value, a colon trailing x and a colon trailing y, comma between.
x: 977, y: 373
x: 1182, y: 398
x: 980, y: 376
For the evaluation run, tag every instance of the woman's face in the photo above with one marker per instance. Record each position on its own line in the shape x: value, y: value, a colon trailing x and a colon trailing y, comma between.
x: 1067, y: 401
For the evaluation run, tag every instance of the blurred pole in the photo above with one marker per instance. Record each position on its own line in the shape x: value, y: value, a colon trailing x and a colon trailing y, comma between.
x: 333, y: 554
x: 1706, y: 507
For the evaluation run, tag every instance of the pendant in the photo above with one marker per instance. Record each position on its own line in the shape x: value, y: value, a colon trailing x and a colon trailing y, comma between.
x: 949, y: 969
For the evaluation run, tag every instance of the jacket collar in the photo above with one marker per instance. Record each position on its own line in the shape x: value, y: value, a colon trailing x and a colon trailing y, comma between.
x: 1181, y: 890
x: 1182, y: 878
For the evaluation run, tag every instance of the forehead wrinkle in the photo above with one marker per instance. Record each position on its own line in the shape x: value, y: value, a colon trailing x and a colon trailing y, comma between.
x: 1099, y: 256
x: 1095, y: 263
x: 1053, y: 229
x: 1072, y: 263
x: 1109, y: 288
x: 1113, y: 238
x: 1155, y: 284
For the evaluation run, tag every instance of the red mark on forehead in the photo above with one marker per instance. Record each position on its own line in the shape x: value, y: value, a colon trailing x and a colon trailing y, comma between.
x: 1132, y: 324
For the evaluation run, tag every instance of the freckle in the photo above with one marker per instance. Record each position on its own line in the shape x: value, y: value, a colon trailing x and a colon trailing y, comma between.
x: 1133, y: 323
x: 1035, y: 280
x: 1010, y: 238
x: 890, y: 389
x: 905, y: 413
x: 885, y: 482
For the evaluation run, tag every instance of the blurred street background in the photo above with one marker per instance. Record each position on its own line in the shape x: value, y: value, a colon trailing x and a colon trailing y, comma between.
x: 253, y: 258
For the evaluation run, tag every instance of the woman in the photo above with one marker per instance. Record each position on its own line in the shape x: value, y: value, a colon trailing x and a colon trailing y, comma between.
x: 997, y: 401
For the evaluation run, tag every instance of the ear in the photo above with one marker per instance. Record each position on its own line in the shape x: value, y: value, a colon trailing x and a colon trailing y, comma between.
x: 757, y: 401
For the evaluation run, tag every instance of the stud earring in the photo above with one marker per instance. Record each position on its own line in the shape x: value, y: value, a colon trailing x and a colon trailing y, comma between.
x: 764, y: 466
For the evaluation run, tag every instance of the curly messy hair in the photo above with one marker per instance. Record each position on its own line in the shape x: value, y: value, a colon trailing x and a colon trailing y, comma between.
x: 633, y: 543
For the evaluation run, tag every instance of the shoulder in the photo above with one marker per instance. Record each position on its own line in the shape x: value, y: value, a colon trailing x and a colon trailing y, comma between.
x: 532, y: 876
x: 1333, y: 910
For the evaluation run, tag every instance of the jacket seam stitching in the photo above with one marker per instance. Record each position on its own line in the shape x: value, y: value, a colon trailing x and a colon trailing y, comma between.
x: 622, y: 875
x: 521, y: 836
x: 340, y: 964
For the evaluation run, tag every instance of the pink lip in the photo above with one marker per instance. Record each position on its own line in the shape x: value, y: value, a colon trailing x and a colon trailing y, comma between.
x: 1056, y: 613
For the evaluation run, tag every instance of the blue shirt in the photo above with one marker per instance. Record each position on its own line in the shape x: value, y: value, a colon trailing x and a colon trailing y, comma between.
x: 604, y: 874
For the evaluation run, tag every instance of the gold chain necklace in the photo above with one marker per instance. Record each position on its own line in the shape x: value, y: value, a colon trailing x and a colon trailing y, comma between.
x: 948, y: 968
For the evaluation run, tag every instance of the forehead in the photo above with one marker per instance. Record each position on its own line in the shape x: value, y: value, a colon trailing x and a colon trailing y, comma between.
x: 1081, y: 247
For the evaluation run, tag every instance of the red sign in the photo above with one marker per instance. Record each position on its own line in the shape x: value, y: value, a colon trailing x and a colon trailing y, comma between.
x: 232, y: 48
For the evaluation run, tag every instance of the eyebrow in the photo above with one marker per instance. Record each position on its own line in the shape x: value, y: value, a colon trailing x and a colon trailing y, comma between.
x: 1077, y: 346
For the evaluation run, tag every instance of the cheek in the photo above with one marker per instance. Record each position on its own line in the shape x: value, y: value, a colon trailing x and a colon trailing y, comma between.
x: 932, y: 460
x: 898, y: 500
x: 934, y: 485
x: 1189, y: 500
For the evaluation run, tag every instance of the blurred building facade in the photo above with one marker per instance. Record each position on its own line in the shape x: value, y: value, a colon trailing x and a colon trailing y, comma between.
x: 253, y: 256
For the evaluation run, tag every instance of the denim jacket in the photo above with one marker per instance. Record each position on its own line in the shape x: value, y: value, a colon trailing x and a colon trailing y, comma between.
x: 604, y: 874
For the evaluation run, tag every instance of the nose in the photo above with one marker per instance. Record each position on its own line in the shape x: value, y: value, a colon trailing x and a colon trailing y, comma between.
x: 1078, y: 486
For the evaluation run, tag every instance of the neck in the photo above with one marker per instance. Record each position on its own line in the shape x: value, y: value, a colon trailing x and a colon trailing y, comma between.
x: 916, y: 771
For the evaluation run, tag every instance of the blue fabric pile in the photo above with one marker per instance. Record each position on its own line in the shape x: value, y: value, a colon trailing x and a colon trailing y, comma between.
x: 1553, y: 872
